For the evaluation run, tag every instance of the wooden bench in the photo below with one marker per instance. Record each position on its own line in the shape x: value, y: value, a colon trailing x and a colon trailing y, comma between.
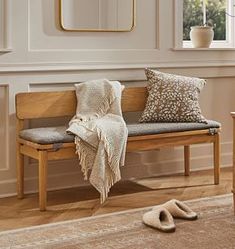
x: 152, y: 136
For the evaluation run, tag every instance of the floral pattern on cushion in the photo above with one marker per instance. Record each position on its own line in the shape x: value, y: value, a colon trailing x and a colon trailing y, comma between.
x: 172, y: 98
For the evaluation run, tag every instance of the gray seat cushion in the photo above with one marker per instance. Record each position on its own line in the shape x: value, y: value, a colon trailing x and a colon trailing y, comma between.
x: 50, y: 135
x: 139, y: 129
x: 47, y: 135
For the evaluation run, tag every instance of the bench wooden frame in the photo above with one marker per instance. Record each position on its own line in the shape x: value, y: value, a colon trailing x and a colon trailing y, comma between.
x: 59, y: 104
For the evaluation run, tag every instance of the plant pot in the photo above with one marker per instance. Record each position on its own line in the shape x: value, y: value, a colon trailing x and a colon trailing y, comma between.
x: 201, y: 36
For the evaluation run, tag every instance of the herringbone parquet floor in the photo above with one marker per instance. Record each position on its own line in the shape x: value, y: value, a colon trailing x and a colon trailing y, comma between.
x: 82, y: 202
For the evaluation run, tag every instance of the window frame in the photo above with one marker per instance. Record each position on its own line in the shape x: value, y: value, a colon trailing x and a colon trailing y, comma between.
x: 230, y: 32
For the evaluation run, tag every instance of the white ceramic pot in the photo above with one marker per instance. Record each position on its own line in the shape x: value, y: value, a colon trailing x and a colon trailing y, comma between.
x: 201, y: 36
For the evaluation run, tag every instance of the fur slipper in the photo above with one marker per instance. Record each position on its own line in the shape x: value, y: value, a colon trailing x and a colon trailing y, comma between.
x: 179, y: 209
x: 160, y: 219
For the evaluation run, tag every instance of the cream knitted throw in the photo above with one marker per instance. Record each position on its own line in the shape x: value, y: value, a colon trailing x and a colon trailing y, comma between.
x: 100, y: 133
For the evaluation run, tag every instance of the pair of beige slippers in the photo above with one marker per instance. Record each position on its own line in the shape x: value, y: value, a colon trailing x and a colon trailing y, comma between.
x: 161, y: 217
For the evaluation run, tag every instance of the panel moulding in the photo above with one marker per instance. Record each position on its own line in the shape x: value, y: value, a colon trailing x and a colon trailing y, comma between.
x: 5, y: 26
x: 4, y: 126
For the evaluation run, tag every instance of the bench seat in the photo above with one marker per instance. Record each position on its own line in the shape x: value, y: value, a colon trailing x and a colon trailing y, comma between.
x: 51, y: 135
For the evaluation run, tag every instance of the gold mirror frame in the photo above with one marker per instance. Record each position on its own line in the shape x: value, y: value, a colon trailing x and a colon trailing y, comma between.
x: 96, y: 30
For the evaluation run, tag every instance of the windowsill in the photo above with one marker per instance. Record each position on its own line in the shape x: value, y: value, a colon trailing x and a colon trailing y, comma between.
x: 204, y: 49
x: 215, y: 46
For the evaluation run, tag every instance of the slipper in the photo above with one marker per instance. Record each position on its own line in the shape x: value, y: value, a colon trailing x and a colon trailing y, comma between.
x: 179, y: 210
x: 160, y: 219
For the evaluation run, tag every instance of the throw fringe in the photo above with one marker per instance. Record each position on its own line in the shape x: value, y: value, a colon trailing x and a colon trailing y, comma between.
x: 83, y: 156
x: 113, y: 162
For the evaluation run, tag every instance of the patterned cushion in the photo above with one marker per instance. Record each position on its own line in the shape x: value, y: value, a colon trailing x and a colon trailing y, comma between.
x: 172, y: 98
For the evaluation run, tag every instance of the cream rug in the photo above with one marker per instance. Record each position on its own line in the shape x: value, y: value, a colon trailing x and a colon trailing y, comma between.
x: 214, y: 229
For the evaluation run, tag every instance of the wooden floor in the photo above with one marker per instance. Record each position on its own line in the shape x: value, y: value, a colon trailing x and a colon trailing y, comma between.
x: 82, y: 202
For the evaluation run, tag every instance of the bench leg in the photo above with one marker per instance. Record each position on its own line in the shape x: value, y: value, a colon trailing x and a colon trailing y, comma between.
x: 186, y: 160
x: 234, y: 203
x: 216, y: 148
x: 20, y: 172
x: 42, y: 160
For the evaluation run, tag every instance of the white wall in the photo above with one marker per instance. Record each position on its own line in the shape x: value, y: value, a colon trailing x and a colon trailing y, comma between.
x: 44, y: 57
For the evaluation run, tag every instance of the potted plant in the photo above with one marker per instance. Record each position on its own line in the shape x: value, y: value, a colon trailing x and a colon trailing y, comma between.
x: 202, y: 36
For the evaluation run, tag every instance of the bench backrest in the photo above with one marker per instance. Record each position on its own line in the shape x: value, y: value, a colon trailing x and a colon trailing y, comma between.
x: 60, y: 104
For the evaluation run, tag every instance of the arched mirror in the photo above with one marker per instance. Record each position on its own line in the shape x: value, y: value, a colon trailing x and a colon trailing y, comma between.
x: 97, y: 15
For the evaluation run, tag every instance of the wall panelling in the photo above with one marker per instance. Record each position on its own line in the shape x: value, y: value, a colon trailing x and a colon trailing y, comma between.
x: 45, y: 58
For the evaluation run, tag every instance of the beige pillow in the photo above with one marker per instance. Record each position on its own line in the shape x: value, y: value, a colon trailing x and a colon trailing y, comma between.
x: 172, y: 98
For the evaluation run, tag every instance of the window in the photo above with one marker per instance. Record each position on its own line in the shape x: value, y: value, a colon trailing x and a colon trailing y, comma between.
x: 217, y: 13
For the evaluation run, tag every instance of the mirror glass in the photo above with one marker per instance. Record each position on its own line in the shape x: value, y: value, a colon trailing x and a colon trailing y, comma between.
x: 97, y: 15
